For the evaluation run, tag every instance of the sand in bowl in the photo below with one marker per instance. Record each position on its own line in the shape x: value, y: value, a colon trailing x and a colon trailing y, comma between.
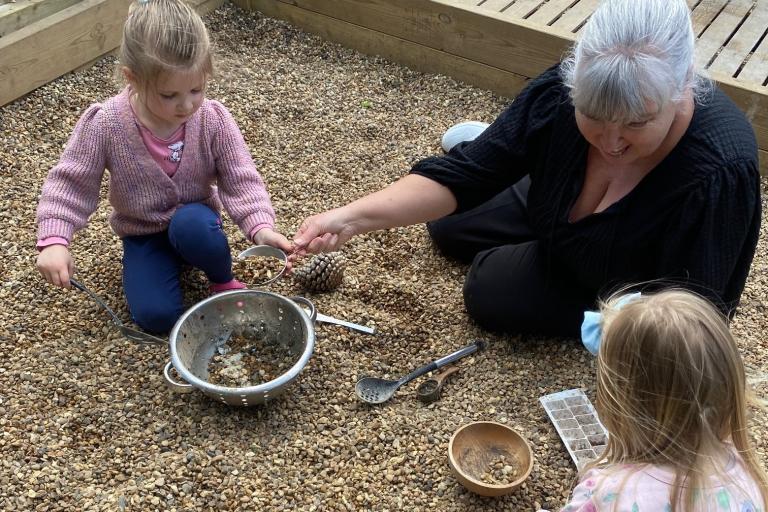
x: 245, y: 360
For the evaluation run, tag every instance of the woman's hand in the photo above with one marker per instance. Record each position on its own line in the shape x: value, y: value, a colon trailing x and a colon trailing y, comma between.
x: 56, y: 265
x: 325, y: 232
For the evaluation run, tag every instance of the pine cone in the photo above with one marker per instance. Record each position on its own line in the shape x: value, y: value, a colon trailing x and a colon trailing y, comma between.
x: 323, y: 273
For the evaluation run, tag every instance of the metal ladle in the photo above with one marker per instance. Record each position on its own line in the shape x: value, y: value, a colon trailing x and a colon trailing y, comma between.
x: 129, y: 332
x: 375, y: 390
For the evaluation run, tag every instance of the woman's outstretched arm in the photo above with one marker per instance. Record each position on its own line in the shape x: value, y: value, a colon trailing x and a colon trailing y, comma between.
x: 412, y: 199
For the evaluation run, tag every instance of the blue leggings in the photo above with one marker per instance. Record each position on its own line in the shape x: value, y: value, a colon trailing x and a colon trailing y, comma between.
x: 152, y: 265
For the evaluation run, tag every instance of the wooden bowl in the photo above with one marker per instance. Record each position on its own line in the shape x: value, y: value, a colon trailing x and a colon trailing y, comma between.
x: 474, y: 447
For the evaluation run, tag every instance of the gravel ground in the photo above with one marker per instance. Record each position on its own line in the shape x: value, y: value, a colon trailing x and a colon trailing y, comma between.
x: 86, y: 420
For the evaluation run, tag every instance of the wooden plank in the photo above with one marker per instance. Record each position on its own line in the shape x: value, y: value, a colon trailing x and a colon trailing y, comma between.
x: 21, y: 13
x: 752, y: 100
x: 763, y: 156
x: 721, y: 29
x: 494, y: 5
x: 43, y: 51
x: 550, y: 11
x: 756, y: 69
x: 705, y: 13
x: 411, y: 54
x: 449, y: 26
x: 574, y: 17
x: 738, y: 48
x: 522, y: 8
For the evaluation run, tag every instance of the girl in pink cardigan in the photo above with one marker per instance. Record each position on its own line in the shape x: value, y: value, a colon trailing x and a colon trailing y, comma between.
x: 174, y: 158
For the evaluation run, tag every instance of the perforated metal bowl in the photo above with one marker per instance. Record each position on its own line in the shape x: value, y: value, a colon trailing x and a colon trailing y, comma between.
x: 196, y: 335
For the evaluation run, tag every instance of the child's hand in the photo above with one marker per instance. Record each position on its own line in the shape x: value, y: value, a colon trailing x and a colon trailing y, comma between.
x: 56, y: 265
x: 267, y: 236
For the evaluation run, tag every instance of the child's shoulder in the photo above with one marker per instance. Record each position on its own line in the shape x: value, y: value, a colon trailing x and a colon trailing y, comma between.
x: 211, y: 107
x: 111, y: 104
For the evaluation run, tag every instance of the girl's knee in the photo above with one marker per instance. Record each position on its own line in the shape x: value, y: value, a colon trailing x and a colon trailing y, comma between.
x: 156, y: 319
x: 193, y: 222
x: 193, y: 215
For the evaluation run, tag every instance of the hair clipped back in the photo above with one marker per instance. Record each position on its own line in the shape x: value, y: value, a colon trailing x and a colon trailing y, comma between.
x: 164, y: 35
x: 632, y: 52
x: 671, y: 390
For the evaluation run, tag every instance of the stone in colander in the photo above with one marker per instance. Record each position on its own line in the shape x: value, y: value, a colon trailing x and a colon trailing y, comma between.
x: 201, y: 329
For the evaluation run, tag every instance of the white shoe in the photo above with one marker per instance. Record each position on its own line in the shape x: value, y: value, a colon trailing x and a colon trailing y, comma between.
x: 462, y: 132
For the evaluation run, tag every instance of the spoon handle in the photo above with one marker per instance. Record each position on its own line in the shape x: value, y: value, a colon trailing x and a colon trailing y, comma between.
x: 434, y: 365
x: 469, y: 349
x: 82, y: 287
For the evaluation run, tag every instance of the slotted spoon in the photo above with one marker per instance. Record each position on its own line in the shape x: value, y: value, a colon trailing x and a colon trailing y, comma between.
x: 375, y: 390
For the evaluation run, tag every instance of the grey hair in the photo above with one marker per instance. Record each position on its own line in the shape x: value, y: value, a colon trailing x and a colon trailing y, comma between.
x: 631, y: 52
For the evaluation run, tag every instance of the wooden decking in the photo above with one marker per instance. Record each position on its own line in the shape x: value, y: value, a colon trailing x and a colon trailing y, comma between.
x: 500, y: 44
x: 731, y: 34
x: 41, y: 40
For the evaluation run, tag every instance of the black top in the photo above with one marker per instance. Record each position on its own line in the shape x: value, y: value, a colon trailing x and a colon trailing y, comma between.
x: 693, y: 221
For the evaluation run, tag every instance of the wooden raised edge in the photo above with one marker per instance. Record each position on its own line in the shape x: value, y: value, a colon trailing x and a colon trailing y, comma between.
x: 64, y: 41
x: 374, y: 42
x: 21, y: 13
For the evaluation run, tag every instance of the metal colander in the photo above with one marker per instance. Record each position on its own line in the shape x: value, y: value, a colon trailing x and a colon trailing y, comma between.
x: 201, y: 329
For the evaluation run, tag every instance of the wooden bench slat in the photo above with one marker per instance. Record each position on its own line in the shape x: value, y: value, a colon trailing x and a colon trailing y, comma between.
x: 494, y: 5
x: 574, y: 17
x: 523, y: 8
x: 720, y: 30
x: 739, y: 47
x: 704, y: 13
x: 549, y: 12
x: 756, y: 69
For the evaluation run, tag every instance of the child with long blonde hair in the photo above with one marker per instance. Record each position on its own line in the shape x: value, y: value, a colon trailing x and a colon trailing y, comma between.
x: 672, y: 393
x: 174, y: 158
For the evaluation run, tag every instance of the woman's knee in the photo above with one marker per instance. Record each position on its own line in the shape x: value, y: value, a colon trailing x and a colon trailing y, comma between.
x: 502, y: 291
x: 440, y: 233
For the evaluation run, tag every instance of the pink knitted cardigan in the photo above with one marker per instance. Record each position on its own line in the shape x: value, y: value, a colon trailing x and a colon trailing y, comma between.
x: 143, y: 197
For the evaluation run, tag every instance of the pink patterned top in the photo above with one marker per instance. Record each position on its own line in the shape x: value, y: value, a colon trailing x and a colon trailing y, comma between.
x: 646, y: 489
x: 216, y: 170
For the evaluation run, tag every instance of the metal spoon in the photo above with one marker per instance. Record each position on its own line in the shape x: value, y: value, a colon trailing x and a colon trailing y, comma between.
x: 129, y: 332
x: 375, y: 390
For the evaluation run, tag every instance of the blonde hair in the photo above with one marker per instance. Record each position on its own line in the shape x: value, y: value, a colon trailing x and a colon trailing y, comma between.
x: 671, y: 390
x: 161, y: 36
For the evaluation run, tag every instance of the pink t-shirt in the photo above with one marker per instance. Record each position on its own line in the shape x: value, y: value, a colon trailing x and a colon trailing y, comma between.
x: 166, y: 152
x: 646, y: 489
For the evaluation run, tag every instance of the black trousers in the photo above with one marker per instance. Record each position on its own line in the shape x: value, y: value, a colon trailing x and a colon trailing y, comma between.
x: 511, y: 287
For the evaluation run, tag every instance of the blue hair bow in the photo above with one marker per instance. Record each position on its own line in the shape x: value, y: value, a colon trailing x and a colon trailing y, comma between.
x: 591, y: 328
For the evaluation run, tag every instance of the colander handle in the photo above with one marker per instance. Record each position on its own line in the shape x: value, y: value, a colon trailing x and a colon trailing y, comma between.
x: 312, y: 309
x: 177, y: 387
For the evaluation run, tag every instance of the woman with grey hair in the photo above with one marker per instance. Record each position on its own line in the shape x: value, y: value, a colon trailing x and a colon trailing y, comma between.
x: 619, y: 165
